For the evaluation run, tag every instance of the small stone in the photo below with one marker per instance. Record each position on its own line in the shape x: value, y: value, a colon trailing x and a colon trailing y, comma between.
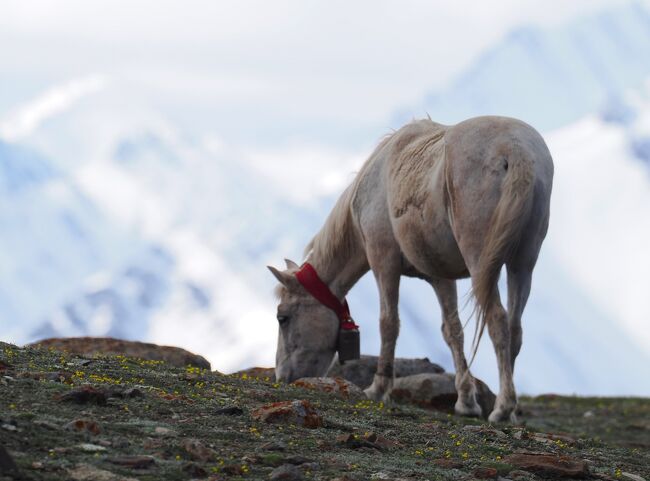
x: 334, y: 385
x: 84, y: 425
x: 345, y: 438
x: 380, y: 441
x: 86, y: 472
x: 549, y: 465
x: 274, y: 446
x: 447, y: 463
x: 152, y: 443
x: 91, y: 448
x: 85, y: 395
x: 250, y: 459
x: 134, y: 462
x: 163, y: 431
x: 354, y: 441
x: 37, y: 465
x: 518, y: 434
x: 297, y: 460
x: 472, y: 428
x: 519, y: 475
x: 549, y: 438
x: 230, y: 411
x: 485, y: 473
x: 588, y: 414
x: 297, y: 412
x: 132, y: 392
x: 313, y: 466
x: 9, y: 427
x: 194, y: 470
x: 198, y: 451
x: 286, y: 472
x: 46, y: 424
x: 380, y: 475
x: 233, y: 469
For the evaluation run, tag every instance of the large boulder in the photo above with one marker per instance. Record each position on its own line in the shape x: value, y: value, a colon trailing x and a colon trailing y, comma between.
x: 438, y: 391
x: 362, y: 371
x: 91, y: 346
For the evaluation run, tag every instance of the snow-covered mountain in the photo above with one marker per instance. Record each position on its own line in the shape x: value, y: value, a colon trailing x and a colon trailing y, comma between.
x: 551, y: 77
x: 136, y: 227
x: 54, y: 240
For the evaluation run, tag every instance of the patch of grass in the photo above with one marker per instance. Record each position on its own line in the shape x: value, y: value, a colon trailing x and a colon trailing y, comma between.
x: 612, y: 433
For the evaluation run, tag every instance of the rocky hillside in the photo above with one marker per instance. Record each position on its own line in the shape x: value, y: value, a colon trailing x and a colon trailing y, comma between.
x: 65, y: 416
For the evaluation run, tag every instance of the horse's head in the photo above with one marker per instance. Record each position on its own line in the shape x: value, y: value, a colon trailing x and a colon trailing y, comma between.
x: 308, y: 330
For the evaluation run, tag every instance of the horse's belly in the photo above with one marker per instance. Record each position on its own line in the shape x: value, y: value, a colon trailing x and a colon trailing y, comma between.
x: 428, y: 244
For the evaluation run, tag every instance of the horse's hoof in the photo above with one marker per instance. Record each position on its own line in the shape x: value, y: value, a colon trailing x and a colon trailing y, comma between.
x: 373, y: 394
x: 470, y: 411
x: 501, y: 416
x: 513, y: 418
x: 380, y: 389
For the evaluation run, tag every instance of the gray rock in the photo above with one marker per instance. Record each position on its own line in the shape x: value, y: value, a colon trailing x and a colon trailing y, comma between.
x: 361, y: 372
x: 438, y: 391
x: 86, y: 472
x: 286, y: 472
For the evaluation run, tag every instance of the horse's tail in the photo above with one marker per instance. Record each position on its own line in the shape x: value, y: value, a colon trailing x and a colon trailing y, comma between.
x: 504, y: 232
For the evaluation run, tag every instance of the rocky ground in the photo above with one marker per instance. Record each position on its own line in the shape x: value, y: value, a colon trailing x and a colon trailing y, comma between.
x: 68, y: 417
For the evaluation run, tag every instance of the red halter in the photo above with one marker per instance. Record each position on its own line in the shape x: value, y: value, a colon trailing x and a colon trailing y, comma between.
x: 309, y: 279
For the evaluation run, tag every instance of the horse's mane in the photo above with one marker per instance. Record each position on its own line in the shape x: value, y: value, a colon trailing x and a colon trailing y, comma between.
x: 339, y: 233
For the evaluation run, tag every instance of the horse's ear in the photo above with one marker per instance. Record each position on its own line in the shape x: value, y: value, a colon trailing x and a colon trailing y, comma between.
x: 282, y: 277
x: 291, y: 264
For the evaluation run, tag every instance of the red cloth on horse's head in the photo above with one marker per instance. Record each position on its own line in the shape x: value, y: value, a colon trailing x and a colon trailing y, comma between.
x: 308, y: 278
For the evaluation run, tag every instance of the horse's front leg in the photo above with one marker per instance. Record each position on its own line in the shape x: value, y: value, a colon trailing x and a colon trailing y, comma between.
x: 386, y: 267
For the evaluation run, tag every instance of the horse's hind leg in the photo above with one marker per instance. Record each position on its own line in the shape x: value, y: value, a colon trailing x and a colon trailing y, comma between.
x: 519, y: 281
x: 497, y: 324
x: 386, y: 266
x: 452, y: 331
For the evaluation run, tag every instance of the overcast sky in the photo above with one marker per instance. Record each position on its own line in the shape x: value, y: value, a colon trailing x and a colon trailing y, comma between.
x: 340, y: 64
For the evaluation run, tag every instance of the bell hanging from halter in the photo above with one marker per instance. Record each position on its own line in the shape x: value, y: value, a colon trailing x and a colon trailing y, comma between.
x: 349, y: 346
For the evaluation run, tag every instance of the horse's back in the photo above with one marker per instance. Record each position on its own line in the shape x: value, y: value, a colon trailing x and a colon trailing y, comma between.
x: 430, y: 184
x: 416, y: 198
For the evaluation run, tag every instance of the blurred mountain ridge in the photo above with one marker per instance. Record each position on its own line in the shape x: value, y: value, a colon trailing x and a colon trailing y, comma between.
x: 142, y: 231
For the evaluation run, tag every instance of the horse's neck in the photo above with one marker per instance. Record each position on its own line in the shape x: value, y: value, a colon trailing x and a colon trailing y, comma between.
x: 342, y: 271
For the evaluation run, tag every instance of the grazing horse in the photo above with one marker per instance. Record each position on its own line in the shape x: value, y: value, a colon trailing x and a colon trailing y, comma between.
x: 439, y: 203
